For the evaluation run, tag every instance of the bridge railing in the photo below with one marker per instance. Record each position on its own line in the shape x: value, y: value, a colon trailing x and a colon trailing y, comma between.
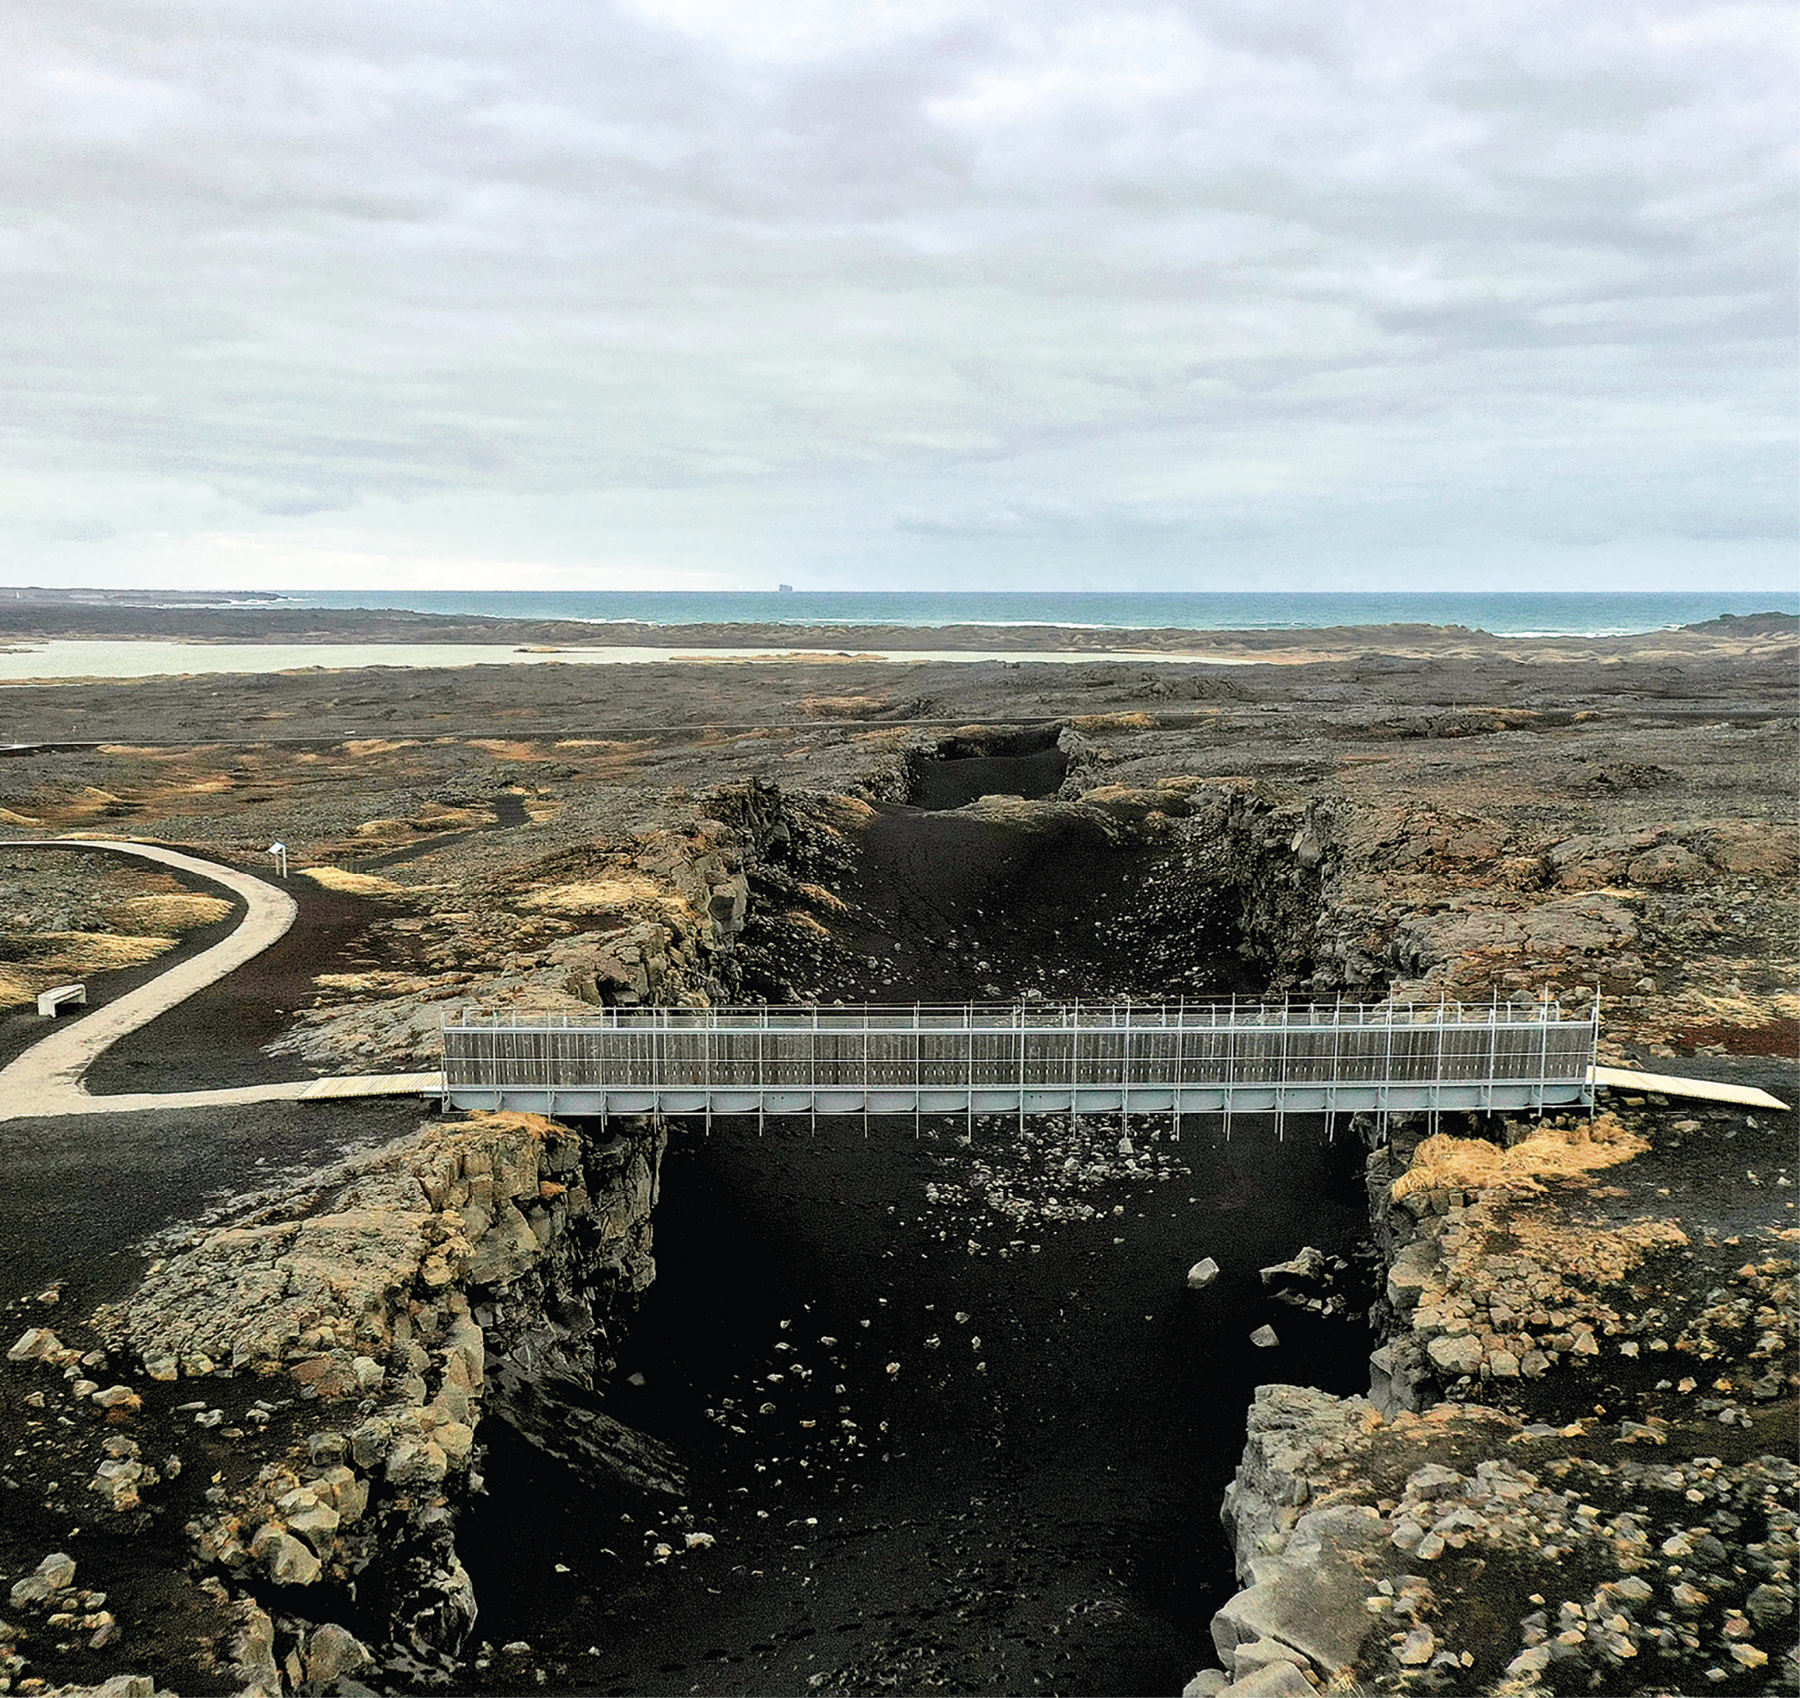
x: 1167, y: 1055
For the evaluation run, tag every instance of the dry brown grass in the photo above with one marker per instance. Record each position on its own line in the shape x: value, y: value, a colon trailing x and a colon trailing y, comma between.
x: 820, y: 897
x: 503, y: 749
x: 1115, y: 722
x: 361, y: 748
x: 347, y: 883
x: 842, y: 707
x: 174, y: 913
x: 805, y: 922
x: 378, y: 980
x: 598, y: 895
x: 91, y: 952
x: 1446, y: 1163
x: 510, y: 1120
x: 8, y: 817
x: 65, y: 955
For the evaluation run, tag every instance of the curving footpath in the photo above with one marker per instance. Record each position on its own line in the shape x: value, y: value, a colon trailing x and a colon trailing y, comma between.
x: 47, y: 1079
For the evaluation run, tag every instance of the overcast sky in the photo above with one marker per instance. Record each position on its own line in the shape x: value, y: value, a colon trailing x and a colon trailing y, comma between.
x: 879, y: 293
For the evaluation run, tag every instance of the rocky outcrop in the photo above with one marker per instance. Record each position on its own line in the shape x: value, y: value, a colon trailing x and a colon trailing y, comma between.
x: 654, y: 918
x: 1647, y: 1531
x: 1494, y: 1271
x: 1366, y: 1545
x: 1424, y: 901
x: 477, y: 1270
x: 664, y: 911
x: 1301, y: 1617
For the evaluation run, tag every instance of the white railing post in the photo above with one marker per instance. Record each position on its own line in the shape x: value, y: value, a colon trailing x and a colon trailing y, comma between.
x: 969, y: 1052
x: 1074, y: 1058
x: 1543, y: 1049
x: 1021, y: 1064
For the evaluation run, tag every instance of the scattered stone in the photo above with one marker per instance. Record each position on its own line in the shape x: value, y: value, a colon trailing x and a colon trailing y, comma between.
x: 1455, y: 1355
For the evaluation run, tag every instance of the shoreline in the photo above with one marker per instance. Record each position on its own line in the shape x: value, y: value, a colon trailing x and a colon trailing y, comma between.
x: 184, y: 642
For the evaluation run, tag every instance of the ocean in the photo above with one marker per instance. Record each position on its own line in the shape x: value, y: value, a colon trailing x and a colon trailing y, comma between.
x: 1582, y: 613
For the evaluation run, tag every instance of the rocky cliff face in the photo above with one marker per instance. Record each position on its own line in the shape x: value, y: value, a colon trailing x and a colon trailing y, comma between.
x: 682, y: 898
x: 1534, y: 1498
x: 359, y: 1333
x: 652, y: 918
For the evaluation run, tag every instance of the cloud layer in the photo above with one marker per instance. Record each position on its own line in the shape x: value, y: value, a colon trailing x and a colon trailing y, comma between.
x: 715, y: 291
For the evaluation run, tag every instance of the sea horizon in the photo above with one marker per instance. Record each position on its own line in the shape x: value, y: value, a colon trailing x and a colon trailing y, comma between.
x: 1548, y: 613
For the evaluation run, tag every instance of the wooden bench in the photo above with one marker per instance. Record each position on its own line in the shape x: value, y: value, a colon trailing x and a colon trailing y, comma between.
x: 53, y: 1001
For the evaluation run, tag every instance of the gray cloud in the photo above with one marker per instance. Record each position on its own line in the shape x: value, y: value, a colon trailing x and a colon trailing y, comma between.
x: 714, y: 291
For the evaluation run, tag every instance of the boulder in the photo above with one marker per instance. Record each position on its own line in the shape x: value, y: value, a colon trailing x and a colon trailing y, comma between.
x: 289, y: 1563
x: 253, y: 1652
x: 56, y: 1573
x: 1273, y: 1680
x: 1410, y: 1271
x: 1309, y: 1264
x: 1318, y: 1611
x: 1454, y: 1356
x: 1258, y: 1654
x: 1264, y: 1338
x: 1202, y: 1274
x: 331, y: 1653
x: 35, y: 1344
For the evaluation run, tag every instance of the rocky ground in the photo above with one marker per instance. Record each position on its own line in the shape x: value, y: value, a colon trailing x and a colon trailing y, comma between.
x: 1574, y: 1472
x: 1569, y: 1473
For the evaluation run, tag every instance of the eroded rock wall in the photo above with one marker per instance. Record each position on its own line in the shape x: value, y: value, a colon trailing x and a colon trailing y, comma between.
x: 1573, y: 1470
x: 359, y: 1333
x: 653, y: 919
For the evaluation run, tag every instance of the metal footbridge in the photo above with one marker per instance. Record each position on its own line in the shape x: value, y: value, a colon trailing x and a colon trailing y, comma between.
x: 1028, y: 1058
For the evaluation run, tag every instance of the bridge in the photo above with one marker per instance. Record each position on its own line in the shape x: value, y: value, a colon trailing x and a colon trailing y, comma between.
x: 1028, y: 1058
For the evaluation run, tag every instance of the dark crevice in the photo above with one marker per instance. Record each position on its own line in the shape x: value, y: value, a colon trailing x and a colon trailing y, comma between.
x: 969, y: 765
x: 1040, y: 1510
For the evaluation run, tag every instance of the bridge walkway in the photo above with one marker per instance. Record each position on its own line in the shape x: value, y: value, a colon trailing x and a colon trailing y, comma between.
x: 1028, y: 1058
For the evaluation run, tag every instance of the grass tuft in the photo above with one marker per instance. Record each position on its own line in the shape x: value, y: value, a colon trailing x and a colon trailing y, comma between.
x: 1446, y: 1163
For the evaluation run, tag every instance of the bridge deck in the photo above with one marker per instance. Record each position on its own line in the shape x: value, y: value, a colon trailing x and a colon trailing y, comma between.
x: 1027, y: 1058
